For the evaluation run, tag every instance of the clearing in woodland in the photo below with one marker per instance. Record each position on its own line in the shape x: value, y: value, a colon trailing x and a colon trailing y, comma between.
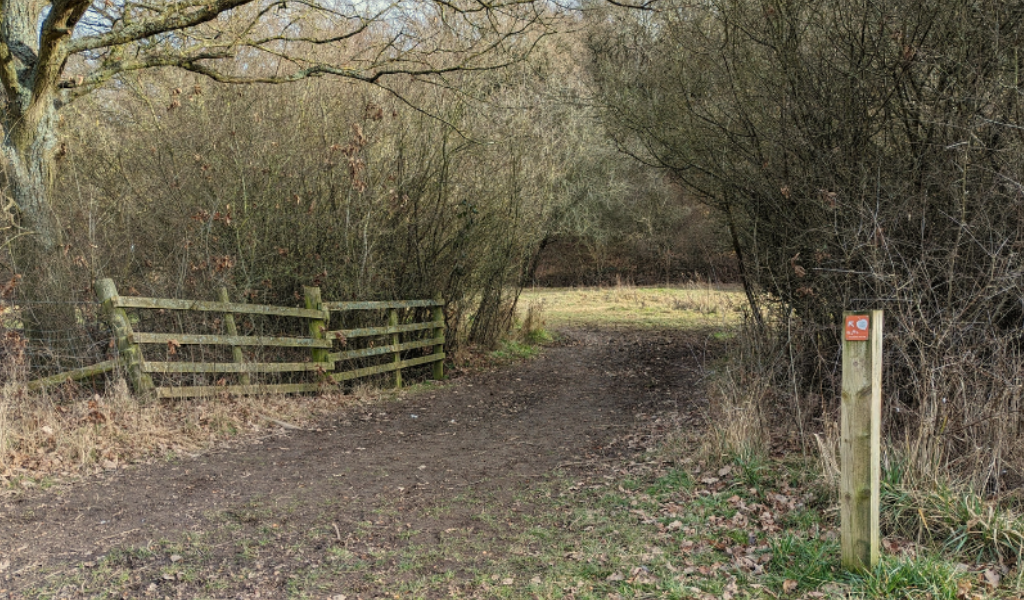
x: 574, y: 475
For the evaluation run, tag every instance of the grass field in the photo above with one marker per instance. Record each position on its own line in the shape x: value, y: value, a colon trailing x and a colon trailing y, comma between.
x: 690, y: 306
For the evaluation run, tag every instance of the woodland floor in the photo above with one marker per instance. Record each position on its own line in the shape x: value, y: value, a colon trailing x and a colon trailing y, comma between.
x: 423, y: 495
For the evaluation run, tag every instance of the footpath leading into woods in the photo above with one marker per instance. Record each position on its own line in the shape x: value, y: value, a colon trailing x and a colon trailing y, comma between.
x: 411, y: 496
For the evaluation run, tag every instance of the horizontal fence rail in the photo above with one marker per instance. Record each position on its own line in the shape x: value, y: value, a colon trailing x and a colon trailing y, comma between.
x: 378, y: 350
x: 375, y: 331
x: 227, y: 340
x: 73, y: 375
x: 374, y: 305
x: 221, y: 307
x: 307, y: 363
x: 197, y: 391
x: 193, y: 367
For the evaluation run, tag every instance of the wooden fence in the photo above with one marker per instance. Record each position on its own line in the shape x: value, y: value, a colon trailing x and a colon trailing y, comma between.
x: 317, y: 366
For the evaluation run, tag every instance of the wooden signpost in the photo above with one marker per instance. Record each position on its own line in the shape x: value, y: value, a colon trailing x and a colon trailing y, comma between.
x: 860, y: 442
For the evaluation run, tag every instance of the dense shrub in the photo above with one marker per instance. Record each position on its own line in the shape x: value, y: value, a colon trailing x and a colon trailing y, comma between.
x: 866, y: 155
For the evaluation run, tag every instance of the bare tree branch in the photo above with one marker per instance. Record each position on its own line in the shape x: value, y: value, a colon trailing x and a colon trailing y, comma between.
x: 86, y: 84
x: 648, y: 5
x: 54, y: 38
x: 178, y: 16
x: 401, y: 53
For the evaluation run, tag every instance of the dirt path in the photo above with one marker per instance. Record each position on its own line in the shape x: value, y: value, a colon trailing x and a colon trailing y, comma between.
x: 243, y: 522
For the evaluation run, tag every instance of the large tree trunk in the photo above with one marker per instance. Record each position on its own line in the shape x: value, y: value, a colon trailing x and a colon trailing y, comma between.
x: 45, y: 294
x: 30, y: 175
x: 31, y: 62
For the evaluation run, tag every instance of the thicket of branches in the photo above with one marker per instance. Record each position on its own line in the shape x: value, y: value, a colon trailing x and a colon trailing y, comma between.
x: 644, y: 230
x: 868, y: 155
x: 451, y: 186
x: 54, y: 54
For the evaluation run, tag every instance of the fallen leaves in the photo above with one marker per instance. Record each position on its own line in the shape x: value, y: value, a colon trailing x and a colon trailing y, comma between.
x: 641, y: 576
x: 963, y: 590
x: 992, y: 579
x: 751, y: 563
x: 725, y: 544
x: 730, y: 591
x: 95, y: 415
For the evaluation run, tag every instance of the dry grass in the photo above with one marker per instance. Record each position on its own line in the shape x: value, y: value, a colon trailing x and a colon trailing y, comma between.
x: 737, y: 420
x: 5, y: 432
x: 827, y: 444
x: 45, y: 437
x: 693, y: 305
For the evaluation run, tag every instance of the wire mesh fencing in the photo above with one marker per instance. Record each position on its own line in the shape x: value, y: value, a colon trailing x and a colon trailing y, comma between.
x: 35, y: 344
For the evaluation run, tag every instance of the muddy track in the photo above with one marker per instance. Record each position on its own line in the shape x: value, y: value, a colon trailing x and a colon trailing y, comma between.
x: 593, y: 397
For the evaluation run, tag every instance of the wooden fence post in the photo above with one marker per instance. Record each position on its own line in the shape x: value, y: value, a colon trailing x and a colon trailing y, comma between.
x: 395, y: 341
x: 232, y: 329
x: 317, y: 327
x: 131, y: 354
x: 438, y: 331
x: 860, y: 441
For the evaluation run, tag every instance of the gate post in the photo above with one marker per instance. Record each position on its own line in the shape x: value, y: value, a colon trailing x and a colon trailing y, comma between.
x: 317, y: 327
x: 395, y: 341
x: 231, y: 329
x: 438, y: 318
x: 131, y: 354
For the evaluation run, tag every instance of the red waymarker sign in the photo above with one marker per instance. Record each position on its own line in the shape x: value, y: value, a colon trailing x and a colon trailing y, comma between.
x: 857, y: 328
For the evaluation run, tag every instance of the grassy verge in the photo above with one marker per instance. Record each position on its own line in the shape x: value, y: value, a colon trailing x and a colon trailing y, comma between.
x: 650, y: 529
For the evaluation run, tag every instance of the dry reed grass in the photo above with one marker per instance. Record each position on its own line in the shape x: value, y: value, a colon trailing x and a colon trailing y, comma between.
x: 45, y: 437
x: 737, y: 416
x: 827, y: 443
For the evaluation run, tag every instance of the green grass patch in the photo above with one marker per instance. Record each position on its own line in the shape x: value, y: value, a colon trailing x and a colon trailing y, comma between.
x: 809, y: 562
x: 511, y: 350
x: 674, y: 481
x: 904, y: 578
